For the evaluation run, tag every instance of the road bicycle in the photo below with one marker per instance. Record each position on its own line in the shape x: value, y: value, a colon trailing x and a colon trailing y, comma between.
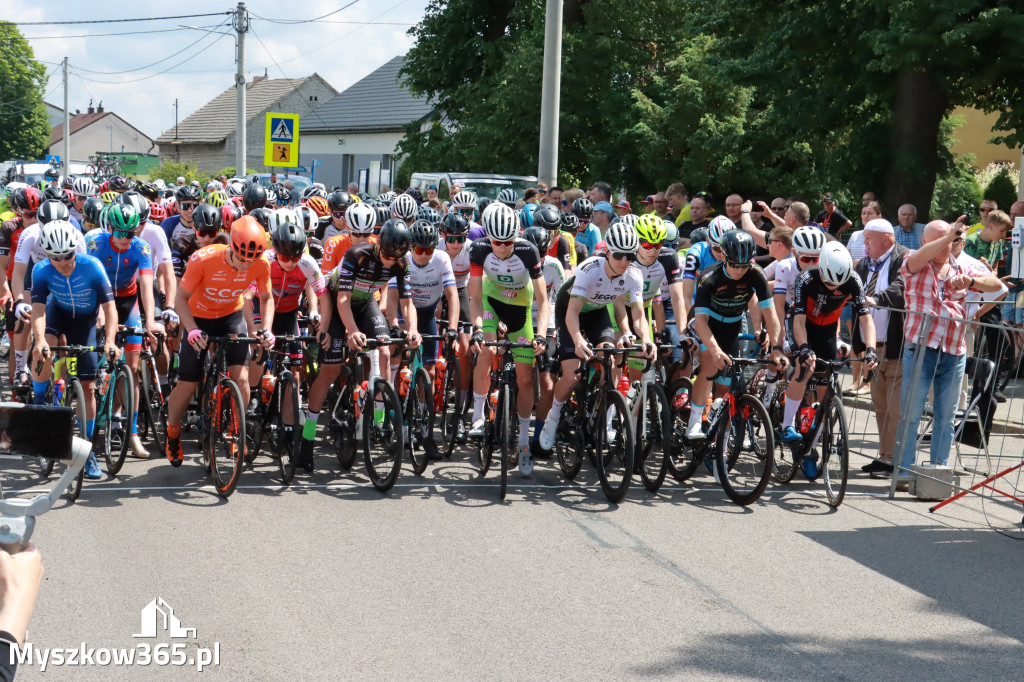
x: 416, y: 397
x: 152, y: 404
x: 65, y: 390
x: 652, y: 414
x: 115, y: 400
x: 448, y: 397
x: 501, y: 427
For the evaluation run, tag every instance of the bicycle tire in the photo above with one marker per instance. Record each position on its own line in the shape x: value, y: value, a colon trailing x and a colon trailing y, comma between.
x: 503, y: 432
x: 383, y: 442
x: 288, y: 446
x: 487, y: 444
x: 74, y: 397
x: 653, y: 426
x: 744, y: 472
x: 420, y: 417
x: 569, y: 442
x: 615, y: 480
x: 681, y: 461
x: 111, y: 430
x: 835, y: 451
x: 785, y: 464
x: 152, y: 422
x: 227, y: 437
x: 344, y: 427
x: 452, y: 406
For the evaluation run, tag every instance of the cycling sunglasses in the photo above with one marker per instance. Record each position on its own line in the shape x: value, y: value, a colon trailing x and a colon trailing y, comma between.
x: 738, y: 266
x: 623, y: 256
x: 187, y: 207
x: 423, y: 250
x: 808, y: 260
x: 455, y: 238
x: 58, y: 259
x: 650, y: 245
x: 502, y: 242
x: 338, y: 214
x: 123, y: 234
x: 288, y: 259
x: 207, y: 233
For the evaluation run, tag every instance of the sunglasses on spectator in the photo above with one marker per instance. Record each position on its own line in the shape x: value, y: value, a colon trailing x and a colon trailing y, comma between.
x: 781, y: 207
x: 808, y: 259
x: 564, y: 202
x: 985, y: 210
x: 623, y: 256
x: 959, y: 240
x: 455, y: 238
x: 423, y: 250
x: 338, y: 214
x: 650, y: 245
x: 123, y: 234
x: 188, y: 206
x: 738, y: 266
x: 58, y: 259
x: 503, y: 242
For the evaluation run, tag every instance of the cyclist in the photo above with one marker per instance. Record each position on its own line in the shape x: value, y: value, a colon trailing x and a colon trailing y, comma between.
x: 503, y: 270
x: 701, y: 256
x: 335, y: 223
x: 562, y: 244
x: 464, y: 203
x: 160, y: 252
x: 404, y: 207
x: 350, y: 314
x: 724, y: 293
x: 254, y: 196
x: 69, y: 292
x: 82, y: 189
x: 25, y: 203
x: 91, y: 213
x: 209, y: 301
x: 360, y: 220
x: 187, y: 198
x: 821, y: 293
x: 454, y: 231
x: 581, y: 310
x: 659, y: 265
x: 554, y: 278
x: 586, y: 233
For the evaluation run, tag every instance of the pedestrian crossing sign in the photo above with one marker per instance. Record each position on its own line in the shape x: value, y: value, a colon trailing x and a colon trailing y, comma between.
x: 281, y: 143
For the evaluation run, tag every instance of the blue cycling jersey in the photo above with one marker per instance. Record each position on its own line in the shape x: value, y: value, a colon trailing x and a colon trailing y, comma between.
x: 121, y: 266
x: 589, y: 238
x: 81, y: 293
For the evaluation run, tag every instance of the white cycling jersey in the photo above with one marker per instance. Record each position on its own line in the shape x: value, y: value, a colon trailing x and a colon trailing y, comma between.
x: 460, y: 266
x: 30, y: 248
x: 592, y: 283
x: 786, y: 273
x: 554, y: 278
x: 427, y: 283
x: 157, y: 240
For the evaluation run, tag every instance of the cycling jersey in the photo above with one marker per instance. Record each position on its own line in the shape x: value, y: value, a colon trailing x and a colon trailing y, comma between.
x: 335, y: 248
x: 664, y: 270
x: 592, y: 283
x: 725, y: 299
x: 10, y: 233
x: 786, y: 272
x: 325, y: 230
x: 159, y: 247
x: 554, y: 278
x: 510, y: 280
x: 564, y: 249
x: 30, y: 247
x: 183, y: 249
x: 81, y: 293
x: 698, y: 259
x: 216, y: 288
x: 287, y: 287
x: 589, y: 237
x: 427, y: 283
x: 121, y: 266
x: 822, y: 306
x: 361, y: 273
x: 460, y: 265
x: 174, y: 229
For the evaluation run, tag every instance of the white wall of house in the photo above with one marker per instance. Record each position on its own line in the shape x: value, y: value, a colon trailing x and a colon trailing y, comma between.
x: 356, y: 143
x: 97, y: 138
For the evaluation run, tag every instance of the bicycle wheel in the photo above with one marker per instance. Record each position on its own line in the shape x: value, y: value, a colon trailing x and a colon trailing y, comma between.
x: 835, y: 451
x: 614, y: 446
x: 382, y: 435
x: 490, y: 436
x: 503, y: 433
x: 653, y: 426
x: 570, y: 444
x: 288, y: 439
x: 74, y: 397
x: 784, y: 466
x: 152, y: 416
x: 745, y: 450
x: 420, y: 418
x: 680, y: 461
x: 451, y: 406
x: 113, y: 428
x: 344, y: 427
x: 227, y: 437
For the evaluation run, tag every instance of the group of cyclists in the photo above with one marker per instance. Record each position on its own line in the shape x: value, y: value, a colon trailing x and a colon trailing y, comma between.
x: 238, y: 259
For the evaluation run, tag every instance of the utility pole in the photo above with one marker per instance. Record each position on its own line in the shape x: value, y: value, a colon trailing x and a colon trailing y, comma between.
x: 241, y: 26
x: 547, y: 162
x: 66, y: 158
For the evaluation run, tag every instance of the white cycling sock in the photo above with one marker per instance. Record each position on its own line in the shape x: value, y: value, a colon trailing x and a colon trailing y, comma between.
x: 478, y: 405
x: 20, y: 360
x: 792, y: 407
x: 524, y: 430
x: 695, y: 417
x: 556, y: 410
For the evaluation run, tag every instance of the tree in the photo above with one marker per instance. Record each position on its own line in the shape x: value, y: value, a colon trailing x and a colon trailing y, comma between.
x: 24, y: 126
x: 169, y: 171
x: 1002, y: 189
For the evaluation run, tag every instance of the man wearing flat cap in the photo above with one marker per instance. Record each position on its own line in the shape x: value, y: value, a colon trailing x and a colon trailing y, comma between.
x: 831, y: 219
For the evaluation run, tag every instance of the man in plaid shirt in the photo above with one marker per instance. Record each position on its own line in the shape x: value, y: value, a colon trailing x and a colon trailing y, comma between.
x: 936, y: 287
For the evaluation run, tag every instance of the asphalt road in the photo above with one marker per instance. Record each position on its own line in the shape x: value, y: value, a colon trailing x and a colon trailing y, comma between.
x: 329, y: 579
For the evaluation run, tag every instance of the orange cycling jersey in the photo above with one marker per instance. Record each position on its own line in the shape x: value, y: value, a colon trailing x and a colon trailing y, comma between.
x: 216, y: 287
x: 335, y: 249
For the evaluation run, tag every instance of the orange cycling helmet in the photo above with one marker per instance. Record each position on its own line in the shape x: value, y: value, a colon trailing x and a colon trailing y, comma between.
x: 247, y: 238
x: 318, y: 204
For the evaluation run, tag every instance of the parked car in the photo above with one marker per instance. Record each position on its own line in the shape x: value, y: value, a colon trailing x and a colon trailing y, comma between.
x: 483, y: 184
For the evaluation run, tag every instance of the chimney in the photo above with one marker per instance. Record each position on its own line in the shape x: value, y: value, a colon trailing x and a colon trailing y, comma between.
x: 78, y: 112
x: 99, y: 108
x: 257, y: 79
x: 90, y: 110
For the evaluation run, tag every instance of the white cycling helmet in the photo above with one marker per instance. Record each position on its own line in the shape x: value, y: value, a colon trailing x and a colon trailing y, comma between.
x: 835, y: 264
x: 59, y: 238
x: 83, y: 187
x: 621, y: 238
x: 508, y: 197
x: 361, y: 218
x: 630, y: 219
x: 717, y: 229
x: 464, y: 199
x: 308, y: 218
x: 500, y: 222
x: 807, y: 241
x: 234, y: 189
x: 282, y: 216
x: 404, y: 207
x: 213, y: 186
x: 386, y: 197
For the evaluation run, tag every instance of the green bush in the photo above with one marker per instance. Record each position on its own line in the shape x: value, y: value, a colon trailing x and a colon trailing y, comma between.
x: 170, y: 171
x: 1003, y: 188
x: 956, y: 190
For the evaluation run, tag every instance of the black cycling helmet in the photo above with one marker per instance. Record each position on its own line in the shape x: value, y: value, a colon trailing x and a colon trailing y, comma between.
x: 482, y: 203
x: 738, y: 246
x: 383, y: 213
x: 149, y: 190
x: 424, y: 234
x: 415, y: 194
x: 339, y: 201
x: 570, y: 223
x: 316, y: 249
x: 548, y: 217
x: 262, y: 216
x: 583, y: 209
x: 207, y: 217
x: 137, y: 200
x: 188, y: 193
x: 253, y: 197
x: 91, y: 210
x: 455, y: 224
x: 698, y: 235
x: 52, y: 209
x: 539, y: 237
x: 289, y: 239
x: 284, y: 196
x: 55, y: 193
x: 119, y: 183
x: 394, y: 239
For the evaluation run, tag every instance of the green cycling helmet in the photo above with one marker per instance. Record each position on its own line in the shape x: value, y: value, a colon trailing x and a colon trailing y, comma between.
x: 650, y: 228
x: 120, y: 218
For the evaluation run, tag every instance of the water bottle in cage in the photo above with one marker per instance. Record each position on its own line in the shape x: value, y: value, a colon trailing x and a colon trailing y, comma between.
x: 358, y: 399
x: 404, y: 379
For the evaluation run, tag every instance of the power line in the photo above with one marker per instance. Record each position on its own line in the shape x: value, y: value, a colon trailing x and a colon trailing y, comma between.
x: 112, y: 21
x: 304, y: 21
x: 158, y: 73
x: 344, y: 35
x: 113, y: 73
x: 132, y: 33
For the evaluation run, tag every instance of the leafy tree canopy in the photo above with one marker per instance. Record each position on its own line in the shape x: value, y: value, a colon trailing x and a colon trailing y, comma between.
x: 24, y: 126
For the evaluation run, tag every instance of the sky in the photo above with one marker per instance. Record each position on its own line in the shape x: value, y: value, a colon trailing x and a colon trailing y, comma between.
x: 124, y: 71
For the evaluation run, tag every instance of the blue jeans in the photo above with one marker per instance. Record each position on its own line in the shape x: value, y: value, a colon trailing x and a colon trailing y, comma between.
x: 944, y: 373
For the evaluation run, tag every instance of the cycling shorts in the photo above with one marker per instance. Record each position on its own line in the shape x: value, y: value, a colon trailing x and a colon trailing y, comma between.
x: 128, y: 315
x: 822, y: 341
x: 426, y: 323
x: 369, y: 320
x: 595, y: 325
x: 518, y: 320
x: 637, y: 362
x: 78, y: 330
x: 548, y: 360
x: 285, y: 323
x: 465, y: 325
x: 189, y: 367
x: 727, y: 336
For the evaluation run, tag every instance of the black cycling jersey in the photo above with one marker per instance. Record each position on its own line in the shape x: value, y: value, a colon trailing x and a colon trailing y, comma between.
x: 185, y: 246
x: 823, y: 306
x: 563, y: 252
x: 725, y: 299
x: 510, y: 279
x: 362, y: 273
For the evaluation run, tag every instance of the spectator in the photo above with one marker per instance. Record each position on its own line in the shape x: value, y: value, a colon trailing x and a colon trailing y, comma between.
x: 880, y: 269
x: 797, y: 215
x: 868, y: 197
x: 600, y: 191
x: 987, y: 244
x: 569, y: 196
x: 1011, y: 312
x: 984, y: 210
x: 679, y: 203
x: 981, y: 307
x: 623, y: 208
x: 603, y: 215
x: 531, y: 195
x: 21, y: 575
x: 909, y: 234
x: 698, y: 218
x: 935, y: 285
x: 353, y: 188
x: 273, y: 178
x: 180, y: 182
x: 431, y: 192
x: 556, y: 196
x: 831, y: 219
x: 779, y: 206
x: 660, y: 204
x: 733, y: 204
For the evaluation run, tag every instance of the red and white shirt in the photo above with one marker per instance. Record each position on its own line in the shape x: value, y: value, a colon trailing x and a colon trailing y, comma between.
x: 928, y: 294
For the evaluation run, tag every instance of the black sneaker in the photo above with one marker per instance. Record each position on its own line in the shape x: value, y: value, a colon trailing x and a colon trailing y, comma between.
x: 874, y: 465
x: 306, y: 455
x: 884, y: 472
x: 1000, y: 398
